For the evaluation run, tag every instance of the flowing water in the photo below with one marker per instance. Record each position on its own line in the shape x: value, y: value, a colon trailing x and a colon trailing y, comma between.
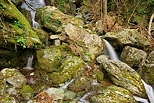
x: 113, y: 55
x: 149, y: 89
x: 29, y: 63
x: 32, y: 5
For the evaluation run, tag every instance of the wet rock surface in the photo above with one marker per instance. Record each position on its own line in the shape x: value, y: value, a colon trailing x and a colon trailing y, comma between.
x: 123, y: 75
x: 133, y: 57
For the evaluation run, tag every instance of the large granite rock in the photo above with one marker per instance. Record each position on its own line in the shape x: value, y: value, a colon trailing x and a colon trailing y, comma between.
x: 123, y: 75
x: 15, y: 29
x: 113, y: 94
x: 127, y: 37
x: 133, y: 57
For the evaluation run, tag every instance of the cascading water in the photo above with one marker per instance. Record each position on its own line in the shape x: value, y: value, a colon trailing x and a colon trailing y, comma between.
x: 111, y: 51
x: 32, y: 5
x: 149, y: 89
x: 29, y: 63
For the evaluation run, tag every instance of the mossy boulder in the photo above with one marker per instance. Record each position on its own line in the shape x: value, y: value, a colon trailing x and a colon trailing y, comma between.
x: 49, y: 59
x: 113, y: 94
x: 53, y: 19
x: 147, y: 73
x: 14, y: 77
x: 15, y: 29
x: 129, y: 37
x: 87, y: 82
x: 133, y: 57
x: 70, y: 68
x: 123, y: 75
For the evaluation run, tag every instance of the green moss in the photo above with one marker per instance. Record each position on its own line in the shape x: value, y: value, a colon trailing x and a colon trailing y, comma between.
x: 27, y: 92
x: 58, y: 78
x: 73, y: 65
x: 12, y: 12
x: 48, y: 59
x: 16, y: 29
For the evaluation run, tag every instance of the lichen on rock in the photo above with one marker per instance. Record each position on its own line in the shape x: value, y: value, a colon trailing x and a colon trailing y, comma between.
x: 123, y: 75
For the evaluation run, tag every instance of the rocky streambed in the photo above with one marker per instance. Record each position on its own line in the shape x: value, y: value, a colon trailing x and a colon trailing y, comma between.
x: 70, y: 63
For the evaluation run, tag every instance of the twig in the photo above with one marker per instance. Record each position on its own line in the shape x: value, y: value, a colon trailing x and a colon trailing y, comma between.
x: 150, y: 22
x: 28, y: 5
x: 132, y: 13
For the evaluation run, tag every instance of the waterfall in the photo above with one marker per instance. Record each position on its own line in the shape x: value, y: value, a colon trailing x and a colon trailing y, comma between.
x: 149, y: 89
x: 32, y: 5
x: 111, y: 51
x: 29, y: 63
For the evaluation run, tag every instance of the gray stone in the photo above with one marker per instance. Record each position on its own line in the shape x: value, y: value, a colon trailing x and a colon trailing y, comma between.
x: 133, y: 57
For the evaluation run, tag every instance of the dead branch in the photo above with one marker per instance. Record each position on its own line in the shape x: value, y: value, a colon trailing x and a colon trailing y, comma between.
x: 150, y: 22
